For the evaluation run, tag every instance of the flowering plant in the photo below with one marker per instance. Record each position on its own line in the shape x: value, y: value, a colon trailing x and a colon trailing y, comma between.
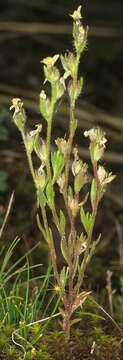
x: 55, y: 167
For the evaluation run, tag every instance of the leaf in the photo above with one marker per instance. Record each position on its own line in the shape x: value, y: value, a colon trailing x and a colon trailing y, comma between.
x: 79, y: 86
x: 41, y: 227
x: 50, y: 195
x: 62, y: 275
x: 83, y: 218
x: 58, y: 162
x: 75, y: 321
x: 70, y: 192
x: 101, y: 191
x: 47, y: 73
x: 86, y: 219
x: 64, y: 249
x: 93, y: 192
x: 45, y: 107
x: 81, y: 313
x: 36, y: 144
x: 41, y: 198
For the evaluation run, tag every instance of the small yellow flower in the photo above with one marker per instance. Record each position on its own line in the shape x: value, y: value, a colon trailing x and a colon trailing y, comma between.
x: 19, y: 116
x: 50, y: 61
x: 77, y: 14
x: 16, y: 104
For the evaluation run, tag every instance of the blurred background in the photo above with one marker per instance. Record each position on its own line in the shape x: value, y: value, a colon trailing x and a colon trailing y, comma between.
x: 29, y: 31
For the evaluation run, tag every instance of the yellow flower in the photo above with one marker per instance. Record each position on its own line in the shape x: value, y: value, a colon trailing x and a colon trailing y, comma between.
x: 77, y: 14
x: 16, y: 104
x: 50, y: 61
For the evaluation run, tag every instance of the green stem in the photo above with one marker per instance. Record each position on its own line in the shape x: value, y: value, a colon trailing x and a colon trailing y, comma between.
x: 72, y: 109
x: 44, y: 215
x: 49, y: 127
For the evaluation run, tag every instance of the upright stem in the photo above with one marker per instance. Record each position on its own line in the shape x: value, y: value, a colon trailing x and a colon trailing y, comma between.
x: 48, y: 142
x: 49, y: 127
x: 72, y: 108
x: 85, y: 260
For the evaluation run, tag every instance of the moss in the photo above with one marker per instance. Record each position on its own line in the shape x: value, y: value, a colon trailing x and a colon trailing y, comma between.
x: 11, y: 351
x: 3, y: 339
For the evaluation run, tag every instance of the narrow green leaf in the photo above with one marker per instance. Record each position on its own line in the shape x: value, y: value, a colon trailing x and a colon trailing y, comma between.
x: 37, y: 337
x: 64, y: 249
x: 101, y: 190
x: 83, y: 218
x: 62, y: 275
x: 93, y: 192
x: 41, y: 198
x: 27, y: 289
x: 50, y: 195
x: 41, y: 227
x: 86, y: 219
x: 58, y: 162
x: 81, y: 313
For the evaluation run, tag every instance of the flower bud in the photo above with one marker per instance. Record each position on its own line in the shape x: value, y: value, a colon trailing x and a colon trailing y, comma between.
x: 45, y: 105
x: 60, y: 88
x: 101, y: 174
x: 29, y: 143
x: 40, y: 178
x: 68, y: 63
x: 50, y: 61
x: 97, y: 143
x: 96, y: 152
x: 51, y: 72
x: 81, y: 244
x: 73, y: 205
x: 77, y: 163
x: 40, y: 148
x: 96, y: 135
x: 19, y: 116
x: 61, y: 182
x: 81, y: 178
x: 62, y: 145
